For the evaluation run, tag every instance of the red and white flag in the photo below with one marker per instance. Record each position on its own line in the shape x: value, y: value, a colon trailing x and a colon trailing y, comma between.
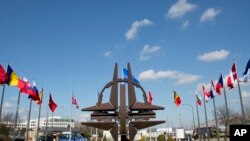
x: 205, y: 93
x: 150, y: 98
x: 74, y: 102
x: 232, y: 77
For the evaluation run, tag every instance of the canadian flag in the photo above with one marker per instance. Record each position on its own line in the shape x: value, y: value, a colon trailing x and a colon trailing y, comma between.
x: 205, y: 93
x: 232, y: 77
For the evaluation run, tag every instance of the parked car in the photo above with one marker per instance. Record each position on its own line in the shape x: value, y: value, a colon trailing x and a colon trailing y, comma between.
x: 74, y: 137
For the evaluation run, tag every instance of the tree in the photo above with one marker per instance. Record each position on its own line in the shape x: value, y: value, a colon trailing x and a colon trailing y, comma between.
x: 222, y: 116
x: 161, y: 138
x: 143, y: 138
x: 4, y: 132
x: 8, y: 117
x: 247, y: 113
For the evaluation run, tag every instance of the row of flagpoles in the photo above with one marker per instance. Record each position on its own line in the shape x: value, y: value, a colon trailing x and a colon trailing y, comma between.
x: 10, y: 78
x: 231, y: 80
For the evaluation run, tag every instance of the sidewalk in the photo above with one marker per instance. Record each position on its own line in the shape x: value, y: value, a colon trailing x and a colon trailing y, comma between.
x: 212, y: 139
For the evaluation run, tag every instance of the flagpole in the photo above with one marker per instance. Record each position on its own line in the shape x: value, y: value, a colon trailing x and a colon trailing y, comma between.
x: 70, y: 117
x: 1, y: 105
x: 241, y: 102
x: 39, y: 116
x: 215, y: 116
x: 46, y: 128
x: 16, y: 117
x: 198, y: 121
x: 28, y: 121
x: 206, y: 117
x: 225, y: 97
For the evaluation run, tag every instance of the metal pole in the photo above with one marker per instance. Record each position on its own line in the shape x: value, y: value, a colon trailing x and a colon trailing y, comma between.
x: 215, y: 116
x: 46, y: 128
x: 39, y: 116
x: 1, y: 105
x: 192, y: 112
x: 241, y: 103
x: 70, y: 118
x: 16, y: 117
x: 28, y: 121
x: 206, y: 117
x: 227, y: 120
x: 198, y: 118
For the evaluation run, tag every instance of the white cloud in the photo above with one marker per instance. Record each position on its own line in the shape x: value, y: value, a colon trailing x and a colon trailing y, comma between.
x: 209, y: 15
x: 107, y: 53
x: 185, y: 24
x: 213, y: 56
x: 180, y: 8
x: 132, y: 32
x: 147, y: 51
x: 182, y: 78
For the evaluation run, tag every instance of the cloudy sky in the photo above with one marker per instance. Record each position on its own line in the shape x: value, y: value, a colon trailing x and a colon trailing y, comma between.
x: 72, y: 46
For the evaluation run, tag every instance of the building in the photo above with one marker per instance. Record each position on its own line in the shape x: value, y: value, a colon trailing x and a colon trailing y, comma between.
x: 55, y: 122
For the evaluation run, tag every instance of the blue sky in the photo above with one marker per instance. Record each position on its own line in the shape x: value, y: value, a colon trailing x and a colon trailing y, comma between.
x: 171, y: 45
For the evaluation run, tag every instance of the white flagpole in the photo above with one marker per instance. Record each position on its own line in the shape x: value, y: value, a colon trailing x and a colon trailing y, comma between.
x: 28, y: 121
x: 39, y: 116
x: 70, y: 118
x: 46, y: 128
x: 205, y: 109
x: 1, y: 105
x: 198, y: 118
x: 225, y: 97
x: 241, y: 102
x: 16, y: 117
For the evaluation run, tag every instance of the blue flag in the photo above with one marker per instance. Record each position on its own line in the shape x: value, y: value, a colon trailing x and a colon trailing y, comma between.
x: 211, y: 94
x: 247, y: 68
x: 125, y: 74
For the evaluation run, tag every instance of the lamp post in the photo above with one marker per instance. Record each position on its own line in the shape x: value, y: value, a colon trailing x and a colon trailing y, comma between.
x: 192, y: 112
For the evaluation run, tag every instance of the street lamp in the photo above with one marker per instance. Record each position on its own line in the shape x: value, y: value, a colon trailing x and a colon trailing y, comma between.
x: 192, y: 112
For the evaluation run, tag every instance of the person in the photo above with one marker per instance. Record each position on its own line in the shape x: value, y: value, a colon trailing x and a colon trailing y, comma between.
x: 195, y: 135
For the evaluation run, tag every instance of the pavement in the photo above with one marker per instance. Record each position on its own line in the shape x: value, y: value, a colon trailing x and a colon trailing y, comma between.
x: 212, y: 139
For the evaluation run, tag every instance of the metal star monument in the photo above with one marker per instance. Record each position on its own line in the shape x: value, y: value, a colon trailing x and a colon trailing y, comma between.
x: 123, y: 119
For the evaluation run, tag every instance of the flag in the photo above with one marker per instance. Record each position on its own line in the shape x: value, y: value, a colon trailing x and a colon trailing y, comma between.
x: 40, y: 95
x: 212, y: 89
x: 177, y: 99
x: 247, y: 68
x: 34, y: 94
x: 211, y: 94
x: 74, y: 102
x: 12, y: 78
x: 150, y: 98
x: 52, y: 104
x: 125, y: 75
x: 246, y: 73
x: 198, y: 100
x: 212, y: 85
x: 232, y: 77
x: 26, y: 87
x: 219, y: 85
x: 3, y: 75
x: 206, y: 93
